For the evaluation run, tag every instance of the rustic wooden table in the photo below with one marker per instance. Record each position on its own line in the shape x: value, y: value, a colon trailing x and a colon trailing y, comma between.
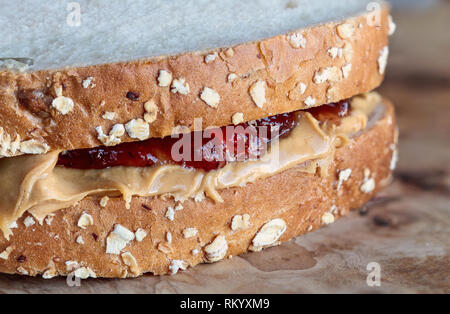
x: 406, y: 229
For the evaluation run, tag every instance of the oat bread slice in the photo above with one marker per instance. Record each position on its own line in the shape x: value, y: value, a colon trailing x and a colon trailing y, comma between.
x: 152, y: 71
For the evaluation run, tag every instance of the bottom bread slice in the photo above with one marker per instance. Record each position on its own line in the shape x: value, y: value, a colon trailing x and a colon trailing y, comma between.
x: 159, y: 236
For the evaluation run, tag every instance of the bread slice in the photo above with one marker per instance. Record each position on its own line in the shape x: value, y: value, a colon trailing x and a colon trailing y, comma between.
x: 212, y: 60
x: 251, y: 217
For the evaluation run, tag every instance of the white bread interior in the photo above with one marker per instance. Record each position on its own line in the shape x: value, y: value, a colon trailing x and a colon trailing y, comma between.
x: 115, y: 31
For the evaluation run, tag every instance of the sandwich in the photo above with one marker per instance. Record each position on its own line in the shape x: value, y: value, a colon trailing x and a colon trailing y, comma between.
x: 150, y: 136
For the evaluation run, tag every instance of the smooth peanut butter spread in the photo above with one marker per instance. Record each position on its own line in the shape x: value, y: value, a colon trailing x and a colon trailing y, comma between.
x: 35, y: 184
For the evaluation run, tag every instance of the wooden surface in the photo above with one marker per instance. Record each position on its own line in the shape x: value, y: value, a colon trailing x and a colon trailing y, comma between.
x: 406, y: 229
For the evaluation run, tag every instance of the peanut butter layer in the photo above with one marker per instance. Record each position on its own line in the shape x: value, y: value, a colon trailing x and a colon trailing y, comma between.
x: 36, y: 185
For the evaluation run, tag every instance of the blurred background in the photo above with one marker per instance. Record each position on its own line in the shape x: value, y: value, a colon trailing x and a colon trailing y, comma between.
x: 418, y: 82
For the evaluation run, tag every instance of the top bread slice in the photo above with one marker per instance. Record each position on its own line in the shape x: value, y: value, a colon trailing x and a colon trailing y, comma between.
x: 71, y: 104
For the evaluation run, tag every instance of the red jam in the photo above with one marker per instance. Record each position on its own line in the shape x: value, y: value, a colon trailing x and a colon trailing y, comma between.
x: 213, y: 153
